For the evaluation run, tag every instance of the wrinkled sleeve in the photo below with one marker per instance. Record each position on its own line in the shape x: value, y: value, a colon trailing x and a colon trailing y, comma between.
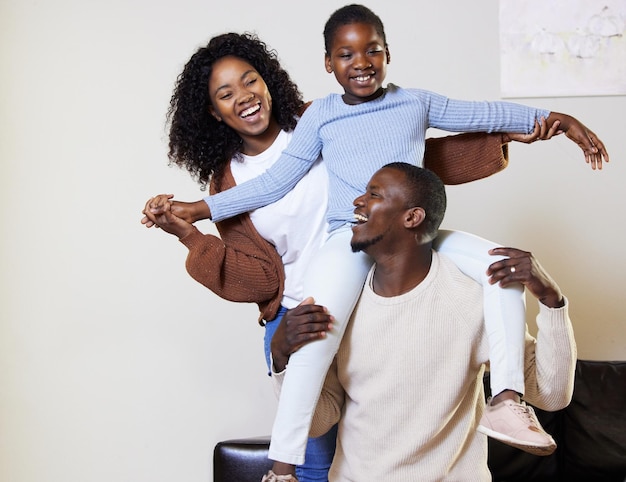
x: 462, y: 158
x: 233, y: 267
x: 550, y: 360
x: 478, y: 116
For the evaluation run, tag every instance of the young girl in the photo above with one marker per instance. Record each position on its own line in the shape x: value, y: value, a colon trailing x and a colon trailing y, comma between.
x: 262, y: 257
x: 357, y: 133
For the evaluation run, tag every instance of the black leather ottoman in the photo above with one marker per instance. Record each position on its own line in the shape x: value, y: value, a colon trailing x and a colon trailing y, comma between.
x: 242, y: 460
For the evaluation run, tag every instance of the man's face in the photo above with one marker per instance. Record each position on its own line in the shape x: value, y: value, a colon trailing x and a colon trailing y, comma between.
x: 380, y: 211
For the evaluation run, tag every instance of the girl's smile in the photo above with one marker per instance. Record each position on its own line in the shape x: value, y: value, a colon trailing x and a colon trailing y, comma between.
x: 358, y: 57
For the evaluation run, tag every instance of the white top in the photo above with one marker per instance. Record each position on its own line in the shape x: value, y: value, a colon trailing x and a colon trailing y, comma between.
x: 296, y: 224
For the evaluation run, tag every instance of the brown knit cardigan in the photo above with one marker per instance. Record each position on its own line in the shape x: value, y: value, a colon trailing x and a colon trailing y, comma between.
x: 241, y: 266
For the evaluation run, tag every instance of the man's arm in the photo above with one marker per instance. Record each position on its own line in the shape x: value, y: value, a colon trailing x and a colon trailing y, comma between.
x: 550, y: 359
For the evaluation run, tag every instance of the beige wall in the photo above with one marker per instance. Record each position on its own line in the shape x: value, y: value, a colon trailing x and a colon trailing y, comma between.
x: 114, y: 364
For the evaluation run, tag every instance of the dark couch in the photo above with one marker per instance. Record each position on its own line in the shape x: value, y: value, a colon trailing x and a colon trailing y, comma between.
x: 590, y: 434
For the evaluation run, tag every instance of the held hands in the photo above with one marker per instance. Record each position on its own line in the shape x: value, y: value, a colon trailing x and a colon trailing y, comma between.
x: 155, y: 202
x: 522, y: 267
x: 541, y: 132
x: 161, y: 212
x: 190, y: 212
x: 556, y: 124
x: 303, y: 324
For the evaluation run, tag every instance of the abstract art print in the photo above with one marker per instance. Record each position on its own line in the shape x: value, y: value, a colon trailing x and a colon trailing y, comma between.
x: 557, y: 48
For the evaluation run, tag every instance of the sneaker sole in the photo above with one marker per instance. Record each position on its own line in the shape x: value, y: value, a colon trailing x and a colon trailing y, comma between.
x: 541, y: 450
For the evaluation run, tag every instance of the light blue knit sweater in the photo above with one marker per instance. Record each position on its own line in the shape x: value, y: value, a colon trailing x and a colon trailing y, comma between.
x: 357, y: 140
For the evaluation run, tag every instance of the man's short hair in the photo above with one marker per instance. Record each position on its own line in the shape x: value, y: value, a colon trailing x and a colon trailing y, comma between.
x: 425, y: 190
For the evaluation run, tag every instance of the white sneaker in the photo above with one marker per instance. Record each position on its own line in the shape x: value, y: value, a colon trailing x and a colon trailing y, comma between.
x: 272, y: 477
x: 516, y: 424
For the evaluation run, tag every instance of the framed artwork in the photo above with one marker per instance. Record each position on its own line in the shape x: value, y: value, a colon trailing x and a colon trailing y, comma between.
x: 558, y: 48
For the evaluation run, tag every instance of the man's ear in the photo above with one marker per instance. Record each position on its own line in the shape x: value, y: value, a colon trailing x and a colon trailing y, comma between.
x: 414, y: 217
x: 214, y: 113
x: 329, y: 68
x: 388, y: 54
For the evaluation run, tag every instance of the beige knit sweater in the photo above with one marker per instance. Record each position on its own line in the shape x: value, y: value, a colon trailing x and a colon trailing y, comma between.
x: 406, y: 384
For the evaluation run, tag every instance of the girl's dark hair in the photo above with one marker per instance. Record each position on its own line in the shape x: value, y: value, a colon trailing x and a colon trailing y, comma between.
x: 197, y: 141
x: 426, y: 190
x: 348, y: 15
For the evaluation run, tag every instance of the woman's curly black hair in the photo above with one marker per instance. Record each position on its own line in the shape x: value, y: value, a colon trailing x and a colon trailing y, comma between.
x: 197, y: 141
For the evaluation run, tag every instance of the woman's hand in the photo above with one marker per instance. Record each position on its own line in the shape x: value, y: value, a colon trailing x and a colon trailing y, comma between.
x: 165, y: 217
x: 190, y: 212
x: 154, y: 202
x: 588, y: 141
x: 541, y: 132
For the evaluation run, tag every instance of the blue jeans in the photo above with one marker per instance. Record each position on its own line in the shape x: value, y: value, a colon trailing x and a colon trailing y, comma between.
x: 319, y: 450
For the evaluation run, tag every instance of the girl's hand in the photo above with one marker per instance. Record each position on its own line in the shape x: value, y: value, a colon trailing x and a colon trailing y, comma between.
x: 166, y: 219
x: 190, y: 212
x: 156, y: 202
x: 541, y: 132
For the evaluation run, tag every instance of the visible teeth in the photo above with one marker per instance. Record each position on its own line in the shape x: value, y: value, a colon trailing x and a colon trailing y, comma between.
x: 250, y: 111
x: 362, y: 78
x: 360, y: 218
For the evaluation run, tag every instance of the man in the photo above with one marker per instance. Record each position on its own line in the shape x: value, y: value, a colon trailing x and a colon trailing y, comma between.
x: 406, y: 384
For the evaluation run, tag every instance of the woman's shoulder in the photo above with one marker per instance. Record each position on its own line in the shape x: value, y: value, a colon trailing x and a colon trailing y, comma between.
x: 304, y: 107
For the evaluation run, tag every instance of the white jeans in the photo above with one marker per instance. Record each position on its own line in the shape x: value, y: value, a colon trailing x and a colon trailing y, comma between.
x: 504, y: 309
x: 335, y: 279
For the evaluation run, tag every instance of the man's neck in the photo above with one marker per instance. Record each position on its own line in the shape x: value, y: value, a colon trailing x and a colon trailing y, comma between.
x: 399, y: 273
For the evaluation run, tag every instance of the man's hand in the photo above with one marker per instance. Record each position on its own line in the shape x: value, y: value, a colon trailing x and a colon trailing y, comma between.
x: 522, y: 267
x: 303, y: 324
